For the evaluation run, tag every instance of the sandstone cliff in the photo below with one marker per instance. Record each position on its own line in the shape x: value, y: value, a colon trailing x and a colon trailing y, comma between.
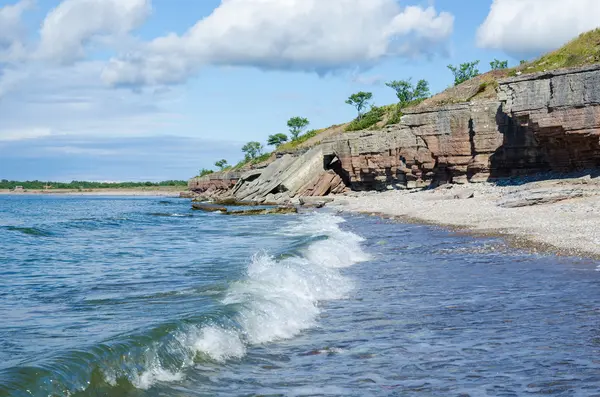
x: 548, y: 121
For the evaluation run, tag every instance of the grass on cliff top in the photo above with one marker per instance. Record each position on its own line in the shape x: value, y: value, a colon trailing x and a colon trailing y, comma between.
x: 292, y: 145
x: 582, y: 51
x: 248, y: 162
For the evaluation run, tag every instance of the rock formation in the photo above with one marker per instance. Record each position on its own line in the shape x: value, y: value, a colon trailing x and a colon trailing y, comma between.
x: 539, y: 122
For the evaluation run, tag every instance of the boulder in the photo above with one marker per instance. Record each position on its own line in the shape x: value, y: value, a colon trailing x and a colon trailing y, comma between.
x: 304, y: 201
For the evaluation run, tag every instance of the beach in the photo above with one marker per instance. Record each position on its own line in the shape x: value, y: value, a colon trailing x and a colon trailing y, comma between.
x: 559, y: 215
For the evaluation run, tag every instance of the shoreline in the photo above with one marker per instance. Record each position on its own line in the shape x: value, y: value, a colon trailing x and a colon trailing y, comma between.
x: 567, y: 227
x: 166, y: 192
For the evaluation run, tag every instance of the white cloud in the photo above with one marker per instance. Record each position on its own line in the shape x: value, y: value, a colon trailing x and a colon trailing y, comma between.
x: 71, y: 100
x: 308, y: 35
x: 74, y: 24
x: 23, y: 134
x: 12, y: 32
x: 535, y: 26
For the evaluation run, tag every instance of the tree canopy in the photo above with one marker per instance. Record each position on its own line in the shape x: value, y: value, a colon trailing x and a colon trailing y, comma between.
x: 296, y: 126
x: 222, y: 164
x: 360, y: 100
x: 407, y: 92
x: 277, y: 139
x: 252, y: 150
x: 465, y: 71
x: 497, y: 64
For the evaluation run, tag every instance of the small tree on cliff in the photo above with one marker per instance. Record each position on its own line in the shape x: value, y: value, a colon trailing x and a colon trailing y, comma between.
x: 360, y: 100
x: 277, y: 139
x: 252, y: 150
x: 204, y: 172
x: 296, y: 126
x: 465, y: 71
x: 497, y: 64
x: 222, y: 164
x: 407, y: 93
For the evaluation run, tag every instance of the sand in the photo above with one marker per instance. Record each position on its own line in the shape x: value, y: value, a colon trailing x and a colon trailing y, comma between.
x: 568, y: 227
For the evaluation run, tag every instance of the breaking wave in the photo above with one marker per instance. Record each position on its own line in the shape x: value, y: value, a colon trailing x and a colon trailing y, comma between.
x: 278, y: 297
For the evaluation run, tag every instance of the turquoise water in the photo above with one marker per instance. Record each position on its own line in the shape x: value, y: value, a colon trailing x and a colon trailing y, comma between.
x: 143, y: 297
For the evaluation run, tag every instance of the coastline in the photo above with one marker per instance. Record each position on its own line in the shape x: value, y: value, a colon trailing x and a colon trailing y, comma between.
x: 164, y: 192
x: 568, y: 226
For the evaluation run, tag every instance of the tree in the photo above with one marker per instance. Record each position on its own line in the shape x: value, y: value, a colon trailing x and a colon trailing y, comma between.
x: 407, y: 93
x: 466, y: 71
x: 297, y: 125
x: 522, y: 62
x: 277, y: 139
x: 359, y: 100
x: 252, y: 150
x: 204, y: 172
x: 222, y: 164
x: 497, y: 65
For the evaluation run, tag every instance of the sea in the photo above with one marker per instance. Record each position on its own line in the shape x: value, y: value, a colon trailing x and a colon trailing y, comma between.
x: 141, y: 296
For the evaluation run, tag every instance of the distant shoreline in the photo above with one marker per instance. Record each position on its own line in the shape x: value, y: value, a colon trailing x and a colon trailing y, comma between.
x: 153, y: 191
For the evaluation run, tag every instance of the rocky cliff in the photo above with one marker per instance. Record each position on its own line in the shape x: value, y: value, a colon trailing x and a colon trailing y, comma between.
x: 547, y: 121
x: 540, y: 122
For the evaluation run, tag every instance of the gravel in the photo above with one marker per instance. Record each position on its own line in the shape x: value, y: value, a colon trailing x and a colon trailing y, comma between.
x: 569, y: 227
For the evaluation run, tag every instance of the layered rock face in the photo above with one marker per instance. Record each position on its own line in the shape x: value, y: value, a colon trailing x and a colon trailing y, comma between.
x: 540, y: 122
x: 214, y: 185
x: 449, y: 144
x: 551, y: 122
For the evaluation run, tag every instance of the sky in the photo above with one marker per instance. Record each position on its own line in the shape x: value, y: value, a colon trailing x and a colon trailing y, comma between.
x: 115, y: 90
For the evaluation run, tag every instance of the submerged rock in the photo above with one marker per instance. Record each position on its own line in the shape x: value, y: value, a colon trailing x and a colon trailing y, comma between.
x: 266, y: 211
x: 208, y: 207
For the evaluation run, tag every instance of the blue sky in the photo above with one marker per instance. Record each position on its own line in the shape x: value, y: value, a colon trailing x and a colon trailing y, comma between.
x: 151, y: 90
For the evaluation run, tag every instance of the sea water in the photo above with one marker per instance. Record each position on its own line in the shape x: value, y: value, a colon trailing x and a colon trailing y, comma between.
x: 104, y: 296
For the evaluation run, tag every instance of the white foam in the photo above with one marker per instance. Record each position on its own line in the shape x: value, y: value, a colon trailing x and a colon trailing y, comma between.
x: 277, y: 299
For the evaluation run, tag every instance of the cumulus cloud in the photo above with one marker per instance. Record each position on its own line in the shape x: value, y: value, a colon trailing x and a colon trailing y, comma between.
x: 12, y: 31
x: 535, y: 26
x: 307, y: 35
x: 75, y: 23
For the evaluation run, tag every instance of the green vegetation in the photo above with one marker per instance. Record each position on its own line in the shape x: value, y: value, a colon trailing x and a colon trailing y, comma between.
x: 301, y: 139
x: 39, y: 185
x: 465, y: 71
x: 407, y: 93
x: 498, y: 65
x: 204, y: 172
x: 277, y: 139
x: 368, y: 120
x: 360, y: 100
x: 582, y: 51
x: 296, y: 126
x: 252, y: 150
x: 222, y: 164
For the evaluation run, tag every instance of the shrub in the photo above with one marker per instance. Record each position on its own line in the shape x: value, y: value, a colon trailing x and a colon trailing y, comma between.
x: 367, y: 120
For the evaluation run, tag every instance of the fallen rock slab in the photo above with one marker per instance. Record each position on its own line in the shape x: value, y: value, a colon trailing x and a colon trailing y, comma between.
x: 304, y: 201
x: 208, y: 207
x: 265, y: 211
x: 539, y: 197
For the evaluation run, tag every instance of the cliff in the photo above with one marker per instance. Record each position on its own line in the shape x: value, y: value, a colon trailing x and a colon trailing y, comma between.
x: 539, y: 122
x: 548, y: 121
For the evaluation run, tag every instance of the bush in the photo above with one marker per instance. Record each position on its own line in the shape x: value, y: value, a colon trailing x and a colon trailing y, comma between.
x: 367, y: 120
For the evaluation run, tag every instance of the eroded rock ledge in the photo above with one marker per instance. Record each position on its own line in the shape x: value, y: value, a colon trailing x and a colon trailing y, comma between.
x: 539, y: 122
